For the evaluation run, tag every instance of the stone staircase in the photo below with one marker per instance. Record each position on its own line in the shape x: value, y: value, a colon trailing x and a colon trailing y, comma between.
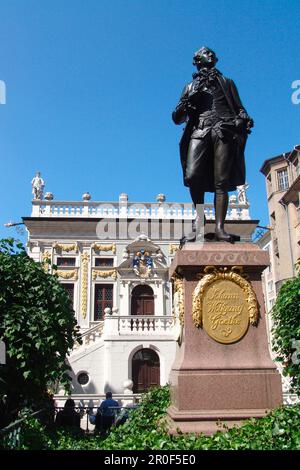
x: 89, y: 337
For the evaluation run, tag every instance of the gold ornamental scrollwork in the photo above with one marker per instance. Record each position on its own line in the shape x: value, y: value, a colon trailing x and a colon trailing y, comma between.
x: 84, y: 284
x: 178, y: 299
x: 65, y: 247
x: 173, y: 248
x: 72, y: 274
x: 224, y: 303
x: 100, y: 247
x: 46, y: 260
x: 110, y: 273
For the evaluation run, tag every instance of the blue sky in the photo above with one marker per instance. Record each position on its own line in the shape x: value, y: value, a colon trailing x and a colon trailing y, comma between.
x: 91, y: 86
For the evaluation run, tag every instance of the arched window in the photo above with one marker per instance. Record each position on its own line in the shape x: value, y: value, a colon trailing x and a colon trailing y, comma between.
x: 145, y: 370
x: 142, y: 300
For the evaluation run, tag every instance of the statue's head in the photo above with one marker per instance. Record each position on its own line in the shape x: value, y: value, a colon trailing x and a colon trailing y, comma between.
x: 38, y: 173
x: 205, y: 57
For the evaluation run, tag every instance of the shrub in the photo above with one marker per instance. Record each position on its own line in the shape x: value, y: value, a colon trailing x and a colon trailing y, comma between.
x: 145, y: 430
x: 286, y: 330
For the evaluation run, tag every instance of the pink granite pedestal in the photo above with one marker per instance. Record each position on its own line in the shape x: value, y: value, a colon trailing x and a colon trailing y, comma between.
x: 211, y: 381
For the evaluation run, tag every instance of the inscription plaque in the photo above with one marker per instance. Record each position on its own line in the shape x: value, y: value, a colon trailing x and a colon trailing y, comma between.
x: 225, y: 311
x: 224, y: 303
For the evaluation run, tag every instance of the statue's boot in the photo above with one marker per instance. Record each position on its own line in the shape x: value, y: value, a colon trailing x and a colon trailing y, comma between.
x: 221, y: 206
x: 196, y: 228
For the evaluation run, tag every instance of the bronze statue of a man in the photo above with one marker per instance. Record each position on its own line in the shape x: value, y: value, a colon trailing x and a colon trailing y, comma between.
x: 213, y: 142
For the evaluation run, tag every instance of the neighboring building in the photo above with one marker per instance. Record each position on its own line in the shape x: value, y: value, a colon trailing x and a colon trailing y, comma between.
x: 282, y: 241
x: 113, y: 260
x: 283, y: 186
x: 268, y: 281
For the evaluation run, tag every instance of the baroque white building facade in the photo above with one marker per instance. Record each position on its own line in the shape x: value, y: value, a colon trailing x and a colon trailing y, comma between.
x: 113, y: 259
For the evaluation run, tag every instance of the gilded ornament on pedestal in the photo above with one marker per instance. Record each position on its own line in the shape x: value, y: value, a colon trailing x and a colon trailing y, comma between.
x: 173, y: 248
x: 178, y: 307
x: 178, y: 298
x: 224, y: 303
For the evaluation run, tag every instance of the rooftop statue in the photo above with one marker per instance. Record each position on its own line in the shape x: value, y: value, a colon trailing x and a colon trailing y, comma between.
x: 242, y: 194
x: 38, y: 185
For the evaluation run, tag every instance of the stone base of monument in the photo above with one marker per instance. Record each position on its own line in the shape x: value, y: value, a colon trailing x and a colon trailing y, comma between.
x: 223, y: 371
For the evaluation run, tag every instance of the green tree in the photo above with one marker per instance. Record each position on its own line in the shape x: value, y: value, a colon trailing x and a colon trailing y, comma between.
x: 37, y: 324
x: 286, y: 330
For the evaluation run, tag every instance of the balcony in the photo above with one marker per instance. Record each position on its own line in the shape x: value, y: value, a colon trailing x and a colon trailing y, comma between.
x: 144, y: 325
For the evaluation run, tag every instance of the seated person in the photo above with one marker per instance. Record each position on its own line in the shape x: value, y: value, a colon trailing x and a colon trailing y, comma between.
x: 106, y: 413
x: 68, y: 416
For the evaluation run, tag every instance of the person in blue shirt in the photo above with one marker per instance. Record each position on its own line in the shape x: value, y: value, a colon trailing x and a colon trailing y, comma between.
x: 106, y: 414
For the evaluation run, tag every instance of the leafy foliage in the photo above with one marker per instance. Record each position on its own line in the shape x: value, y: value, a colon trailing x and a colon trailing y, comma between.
x: 286, y: 330
x: 37, y: 324
x: 146, y: 429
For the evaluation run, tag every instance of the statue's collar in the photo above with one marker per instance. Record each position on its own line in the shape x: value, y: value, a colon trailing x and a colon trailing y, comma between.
x: 207, y: 73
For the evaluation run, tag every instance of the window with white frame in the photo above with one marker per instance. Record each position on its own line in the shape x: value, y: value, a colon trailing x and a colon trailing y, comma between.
x: 270, y: 286
x: 283, y: 180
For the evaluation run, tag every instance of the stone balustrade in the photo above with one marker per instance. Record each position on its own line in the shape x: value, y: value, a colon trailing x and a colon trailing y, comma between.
x: 92, y: 400
x: 126, y: 325
x: 112, y: 210
x: 141, y: 325
x: 90, y: 336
